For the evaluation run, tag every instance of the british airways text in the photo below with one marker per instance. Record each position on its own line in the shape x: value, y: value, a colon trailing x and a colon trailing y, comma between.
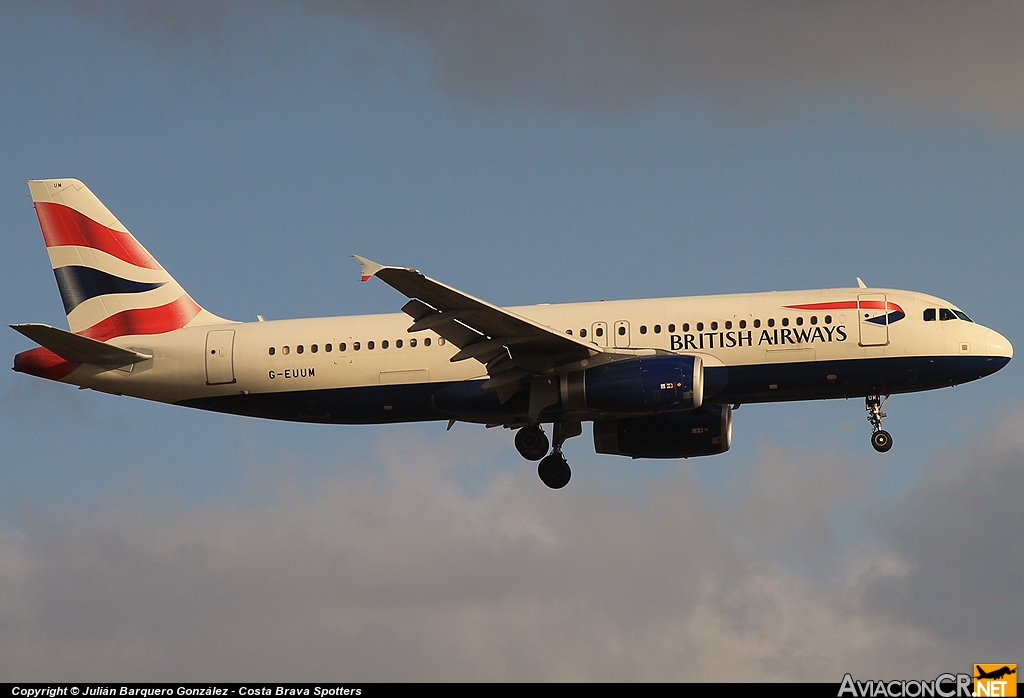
x: 740, y: 338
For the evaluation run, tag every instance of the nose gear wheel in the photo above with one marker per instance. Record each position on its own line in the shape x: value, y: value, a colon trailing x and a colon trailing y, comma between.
x: 881, y: 440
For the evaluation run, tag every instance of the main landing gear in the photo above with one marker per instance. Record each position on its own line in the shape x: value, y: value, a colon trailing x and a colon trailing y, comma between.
x: 881, y: 441
x: 532, y: 444
x: 554, y: 471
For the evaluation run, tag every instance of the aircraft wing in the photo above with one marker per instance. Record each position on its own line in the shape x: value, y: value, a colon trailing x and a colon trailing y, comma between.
x: 511, y: 346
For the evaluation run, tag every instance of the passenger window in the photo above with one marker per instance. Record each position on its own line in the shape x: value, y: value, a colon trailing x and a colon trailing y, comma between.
x: 671, y: 328
x: 369, y: 345
x: 384, y: 344
x: 272, y: 351
x: 757, y: 323
x: 426, y: 341
x: 743, y: 324
x: 814, y: 319
x: 568, y: 332
x: 686, y: 327
x: 342, y: 347
x: 929, y: 314
x: 946, y: 314
x: 440, y: 341
x: 314, y: 348
x: 328, y: 347
x: 583, y: 333
x: 599, y: 331
x: 398, y: 344
x: 700, y: 326
x: 800, y: 320
x: 412, y: 342
x: 355, y: 346
x: 771, y: 322
x: 714, y: 325
x: 657, y: 329
x: 643, y: 329
x: 828, y: 319
x: 299, y: 349
x: 785, y: 322
x: 622, y: 329
x: 285, y: 350
x: 728, y: 324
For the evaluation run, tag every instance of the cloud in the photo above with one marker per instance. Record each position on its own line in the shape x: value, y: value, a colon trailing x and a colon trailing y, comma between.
x: 959, y: 535
x: 404, y: 575
x: 936, y: 58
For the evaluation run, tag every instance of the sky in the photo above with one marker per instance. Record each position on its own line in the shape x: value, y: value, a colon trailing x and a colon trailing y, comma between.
x: 525, y: 153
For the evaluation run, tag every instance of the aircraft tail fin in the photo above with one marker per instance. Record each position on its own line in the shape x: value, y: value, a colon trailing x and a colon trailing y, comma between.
x: 110, y: 285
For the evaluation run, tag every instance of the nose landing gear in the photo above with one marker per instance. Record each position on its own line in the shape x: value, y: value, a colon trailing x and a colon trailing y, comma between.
x: 881, y: 440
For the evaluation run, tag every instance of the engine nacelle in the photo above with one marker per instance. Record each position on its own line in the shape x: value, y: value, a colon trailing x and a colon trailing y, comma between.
x: 703, y: 432
x: 646, y: 384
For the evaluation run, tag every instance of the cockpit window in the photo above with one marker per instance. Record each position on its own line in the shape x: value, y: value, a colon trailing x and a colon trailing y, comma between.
x: 929, y: 315
x: 946, y: 314
x: 962, y: 315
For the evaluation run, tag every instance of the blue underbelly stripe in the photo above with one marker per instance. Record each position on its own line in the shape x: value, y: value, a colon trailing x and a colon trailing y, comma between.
x: 783, y: 382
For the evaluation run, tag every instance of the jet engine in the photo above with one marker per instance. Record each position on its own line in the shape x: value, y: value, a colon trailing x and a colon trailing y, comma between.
x: 646, y: 384
x: 703, y: 432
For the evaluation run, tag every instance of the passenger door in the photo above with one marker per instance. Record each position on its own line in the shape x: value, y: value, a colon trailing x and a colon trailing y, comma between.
x: 873, y: 319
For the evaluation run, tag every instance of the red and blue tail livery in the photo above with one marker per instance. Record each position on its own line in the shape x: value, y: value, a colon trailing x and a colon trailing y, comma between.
x: 658, y: 378
x: 109, y: 284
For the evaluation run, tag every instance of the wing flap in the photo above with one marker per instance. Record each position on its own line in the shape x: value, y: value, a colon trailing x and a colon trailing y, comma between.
x: 486, y: 348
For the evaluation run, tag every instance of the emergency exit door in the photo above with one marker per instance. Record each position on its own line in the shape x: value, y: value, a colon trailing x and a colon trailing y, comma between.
x: 622, y: 338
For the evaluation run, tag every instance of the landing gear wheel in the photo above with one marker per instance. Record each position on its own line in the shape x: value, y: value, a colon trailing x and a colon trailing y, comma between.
x: 881, y: 441
x: 554, y: 471
x: 531, y: 443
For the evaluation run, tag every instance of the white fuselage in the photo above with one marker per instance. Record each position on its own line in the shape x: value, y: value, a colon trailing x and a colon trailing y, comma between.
x: 744, y: 330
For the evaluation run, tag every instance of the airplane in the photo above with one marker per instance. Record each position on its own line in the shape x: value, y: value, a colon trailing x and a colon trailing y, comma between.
x: 995, y: 674
x: 659, y: 378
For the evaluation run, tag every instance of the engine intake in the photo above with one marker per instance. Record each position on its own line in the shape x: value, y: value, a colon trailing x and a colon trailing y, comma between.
x: 647, y: 384
x: 703, y: 432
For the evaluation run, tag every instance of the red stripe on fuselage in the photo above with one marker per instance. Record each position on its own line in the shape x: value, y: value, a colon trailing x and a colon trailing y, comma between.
x: 43, y: 363
x: 847, y: 305
x: 163, y: 318
x: 62, y: 225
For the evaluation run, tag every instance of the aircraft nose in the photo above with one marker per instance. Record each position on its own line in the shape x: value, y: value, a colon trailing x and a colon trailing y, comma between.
x: 998, y: 345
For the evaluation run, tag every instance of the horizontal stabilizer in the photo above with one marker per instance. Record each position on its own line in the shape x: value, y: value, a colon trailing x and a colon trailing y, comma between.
x: 79, y: 349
